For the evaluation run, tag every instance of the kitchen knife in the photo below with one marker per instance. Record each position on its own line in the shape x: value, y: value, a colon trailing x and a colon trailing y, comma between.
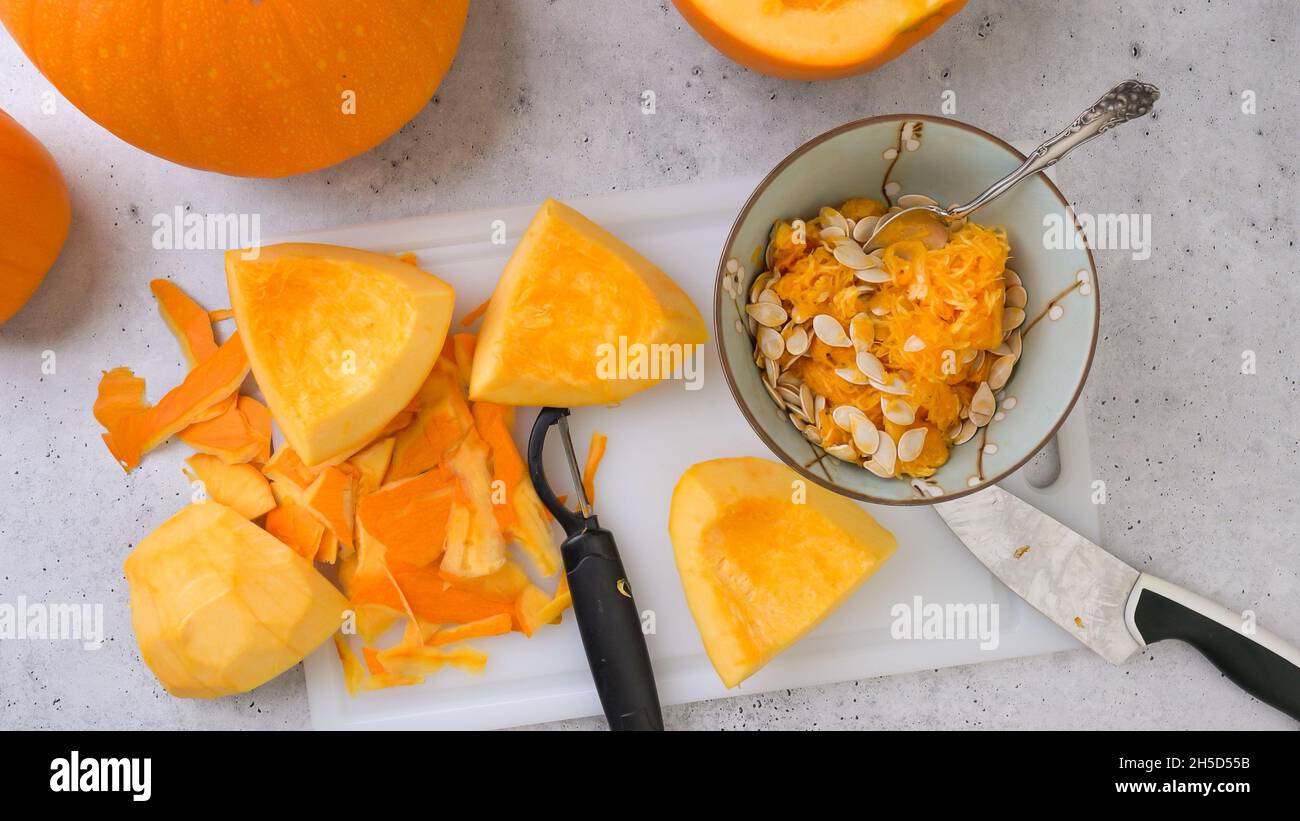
x: 1109, y: 606
x: 608, y: 620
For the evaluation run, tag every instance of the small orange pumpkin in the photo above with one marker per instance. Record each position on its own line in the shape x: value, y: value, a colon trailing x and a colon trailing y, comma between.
x: 251, y: 89
x: 815, y: 39
x: 34, y: 215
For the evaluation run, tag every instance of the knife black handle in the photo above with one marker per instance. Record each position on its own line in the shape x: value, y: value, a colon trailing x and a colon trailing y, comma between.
x: 1259, y: 662
x: 610, y: 626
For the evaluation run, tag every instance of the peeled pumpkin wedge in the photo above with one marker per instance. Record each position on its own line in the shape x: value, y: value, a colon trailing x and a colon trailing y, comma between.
x: 339, y: 340
x: 815, y: 39
x: 569, y: 288
x: 220, y: 606
x: 765, y: 555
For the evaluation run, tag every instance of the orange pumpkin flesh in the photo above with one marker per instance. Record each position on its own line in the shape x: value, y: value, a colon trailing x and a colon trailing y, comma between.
x: 760, y: 568
x: 340, y: 340
x: 187, y: 321
x: 569, y: 289
x: 242, y: 488
x: 34, y: 215
x: 815, y: 39
x: 244, y: 88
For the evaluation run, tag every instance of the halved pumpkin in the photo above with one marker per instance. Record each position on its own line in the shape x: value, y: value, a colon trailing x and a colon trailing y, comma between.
x: 815, y: 39
x: 339, y: 340
x: 220, y: 606
x: 573, y: 298
x: 764, y: 555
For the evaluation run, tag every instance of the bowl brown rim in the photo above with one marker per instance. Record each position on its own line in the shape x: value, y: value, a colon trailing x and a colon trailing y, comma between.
x: 718, y: 327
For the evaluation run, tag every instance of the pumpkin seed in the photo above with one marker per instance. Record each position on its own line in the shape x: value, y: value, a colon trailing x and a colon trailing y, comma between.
x: 829, y: 330
x: 851, y: 255
x: 983, y: 405
x: 798, y: 422
x: 843, y: 416
x: 897, y: 411
x: 843, y: 452
x: 913, y: 344
x: 911, y: 443
x: 834, y: 219
x: 761, y: 283
x: 914, y: 200
x: 1012, y: 318
x: 1016, y: 296
x: 766, y: 314
x: 832, y: 232
x: 863, y: 230
x: 1011, y: 277
x: 897, y: 386
x: 874, y: 274
x: 770, y: 342
x: 772, y: 372
x: 776, y: 397
x: 797, y: 341
x: 767, y: 295
x: 852, y: 375
x: 1011, y: 346
x: 789, y: 394
x: 968, y: 429
x: 866, y: 437
x: 862, y: 332
x: 819, y: 405
x: 810, y: 433
x: 870, y: 366
x: 798, y: 314
x: 883, y: 461
x: 1001, y: 371
x: 806, y: 402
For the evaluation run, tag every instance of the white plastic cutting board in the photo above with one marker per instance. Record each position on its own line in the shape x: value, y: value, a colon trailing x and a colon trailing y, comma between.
x: 653, y: 438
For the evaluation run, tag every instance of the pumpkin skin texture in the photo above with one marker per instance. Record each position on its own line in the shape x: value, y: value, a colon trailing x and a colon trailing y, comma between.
x: 760, y: 569
x: 220, y: 606
x: 570, y: 288
x: 339, y: 340
x: 34, y: 215
x: 815, y: 39
x: 243, y: 88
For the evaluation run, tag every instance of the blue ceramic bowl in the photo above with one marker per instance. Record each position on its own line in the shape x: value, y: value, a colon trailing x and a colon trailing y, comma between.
x: 952, y: 163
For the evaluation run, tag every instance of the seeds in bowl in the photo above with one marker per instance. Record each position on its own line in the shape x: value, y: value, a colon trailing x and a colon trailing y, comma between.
x: 886, y: 348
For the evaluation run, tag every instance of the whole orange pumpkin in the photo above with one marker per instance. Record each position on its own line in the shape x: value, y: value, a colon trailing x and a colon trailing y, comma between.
x: 255, y: 89
x: 34, y: 215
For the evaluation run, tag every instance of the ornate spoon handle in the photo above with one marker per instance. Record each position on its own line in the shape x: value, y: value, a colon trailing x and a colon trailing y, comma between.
x: 1122, y: 103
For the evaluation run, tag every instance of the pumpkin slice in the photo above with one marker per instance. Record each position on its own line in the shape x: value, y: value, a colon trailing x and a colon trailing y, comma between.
x: 569, y: 289
x: 241, y: 434
x: 407, y: 520
x: 220, y: 606
x: 815, y: 39
x: 186, y: 319
x: 242, y: 488
x: 759, y: 569
x: 211, y: 381
x: 521, y: 515
x: 340, y: 340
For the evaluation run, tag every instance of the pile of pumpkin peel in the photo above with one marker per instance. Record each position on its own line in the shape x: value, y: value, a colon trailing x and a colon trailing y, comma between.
x: 416, y: 526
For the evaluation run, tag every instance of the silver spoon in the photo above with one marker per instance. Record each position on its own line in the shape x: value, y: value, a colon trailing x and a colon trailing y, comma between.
x: 929, y: 223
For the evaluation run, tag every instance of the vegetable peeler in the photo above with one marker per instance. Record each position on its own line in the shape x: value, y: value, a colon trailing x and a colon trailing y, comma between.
x: 608, y: 620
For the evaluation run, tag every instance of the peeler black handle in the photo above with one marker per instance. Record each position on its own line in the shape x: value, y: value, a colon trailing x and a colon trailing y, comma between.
x: 610, y: 625
x: 608, y: 620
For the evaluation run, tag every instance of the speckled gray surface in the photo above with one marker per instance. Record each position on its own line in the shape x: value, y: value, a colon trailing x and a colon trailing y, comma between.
x: 1201, y: 461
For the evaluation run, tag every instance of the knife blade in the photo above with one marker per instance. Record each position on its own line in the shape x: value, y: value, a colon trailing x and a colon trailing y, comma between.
x: 1111, y: 607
